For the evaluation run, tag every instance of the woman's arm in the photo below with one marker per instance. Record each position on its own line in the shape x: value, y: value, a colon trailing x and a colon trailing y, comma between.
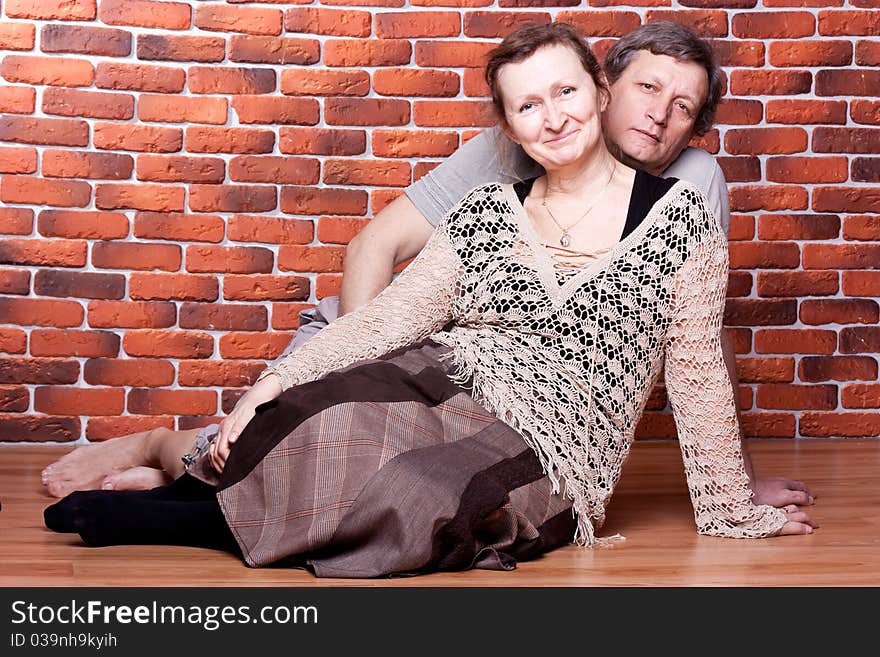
x: 705, y: 412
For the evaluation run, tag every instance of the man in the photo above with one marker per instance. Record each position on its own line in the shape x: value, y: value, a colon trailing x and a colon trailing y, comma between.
x: 664, y: 89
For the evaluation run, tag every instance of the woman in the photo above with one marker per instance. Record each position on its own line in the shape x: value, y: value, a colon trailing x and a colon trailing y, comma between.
x: 479, y: 410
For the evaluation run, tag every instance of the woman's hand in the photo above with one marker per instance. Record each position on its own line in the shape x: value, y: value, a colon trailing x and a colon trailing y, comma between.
x: 798, y: 522
x: 233, y: 424
x: 779, y: 491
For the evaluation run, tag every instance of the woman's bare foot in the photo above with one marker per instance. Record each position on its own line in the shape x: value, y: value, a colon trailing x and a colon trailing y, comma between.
x: 137, y: 478
x: 86, y: 467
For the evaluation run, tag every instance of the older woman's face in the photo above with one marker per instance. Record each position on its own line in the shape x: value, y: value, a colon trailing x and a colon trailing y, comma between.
x: 552, y: 107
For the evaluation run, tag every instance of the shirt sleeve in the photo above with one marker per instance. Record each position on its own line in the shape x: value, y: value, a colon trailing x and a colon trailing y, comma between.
x: 717, y: 197
x: 702, y: 398
x: 488, y: 157
x: 416, y: 304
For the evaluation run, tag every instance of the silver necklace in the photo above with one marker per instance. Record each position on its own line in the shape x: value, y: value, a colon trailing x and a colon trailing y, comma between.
x: 565, y: 240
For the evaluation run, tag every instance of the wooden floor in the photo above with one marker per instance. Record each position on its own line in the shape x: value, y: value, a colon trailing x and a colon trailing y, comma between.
x: 650, y: 508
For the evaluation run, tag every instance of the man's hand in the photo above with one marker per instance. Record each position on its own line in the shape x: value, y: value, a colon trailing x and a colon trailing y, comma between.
x: 233, y: 424
x: 779, y: 492
x: 798, y: 522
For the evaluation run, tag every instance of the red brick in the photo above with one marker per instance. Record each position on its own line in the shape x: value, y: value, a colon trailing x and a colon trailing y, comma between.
x: 413, y: 24
x: 598, y: 23
x: 167, y: 47
x: 837, y: 368
x: 140, y: 196
x: 754, y: 312
x: 73, y: 164
x: 387, y: 173
x: 765, y: 370
x: 735, y: 111
x: 866, y: 112
x: 841, y: 256
x: 58, y: 71
x: 269, y: 230
x: 803, y: 3
x: 39, y: 252
x: 178, y: 227
x: 847, y: 82
x: 706, y: 23
x: 795, y: 341
x: 267, y: 346
x: 18, y: 100
x: 498, y: 24
x: 41, y: 312
x: 265, y: 288
x: 168, y: 344
x: 451, y: 113
x: 136, y: 255
x: 807, y: 169
x: 765, y: 140
x: 85, y: 40
x: 17, y: 36
x: 861, y: 395
x: 232, y: 198
x: 140, y: 77
x: 413, y: 143
x: 362, y: 52
x: 68, y: 342
x: 852, y: 425
x: 796, y: 397
x: 322, y: 141
x: 225, y: 317
x: 802, y: 112
x: 106, y: 428
x: 337, y: 230
x: 740, y: 169
x: 846, y: 199
x: 769, y: 82
x: 425, y: 3
x: 229, y: 259
x: 323, y: 82
x: 18, y: 160
x: 748, y: 198
x: 334, y: 22
x: 13, y: 341
x: 311, y: 258
x: 860, y: 339
x: 204, y: 373
x: 274, y: 50
x: 246, y: 20
x: 797, y: 284
x: 131, y: 314
x: 654, y: 426
x: 275, y: 169
x: 839, y: 311
x: 739, y: 284
x: 475, y: 84
x: 259, y: 109
x: 861, y: 227
x: 178, y: 287
x: 773, y: 25
x: 811, y: 53
x: 79, y: 401
x: 179, y: 168
x: 143, y: 13
x: 229, y: 140
x: 742, y: 227
x: 866, y: 169
x: 38, y: 428
x: 140, y: 372
x: 861, y: 283
x: 40, y: 191
x: 285, y: 316
x: 327, y: 200
x: 452, y: 54
x: 59, y: 132
x: 38, y: 370
x: 739, y: 53
x: 65, y: 10
x: 227, y: 80
x: 146, y: 401
x: 328, y: 285
x: 382, y: 198
x: 366, y: 111
x: 14, y: 399
x: 16, y: 221
x: 182, y: 109
x: 844, y: 23
x: 128, y: 137
x: 88, y: 285
x: 868, y: 53
x: 758, y: 255
x: 15, y: 281
x: 414, y: 82
x: 798, y: 226
x: 82, y: 224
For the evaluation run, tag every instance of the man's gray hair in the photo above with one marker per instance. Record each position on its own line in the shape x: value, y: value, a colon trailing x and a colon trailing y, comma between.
x: 679, y: 42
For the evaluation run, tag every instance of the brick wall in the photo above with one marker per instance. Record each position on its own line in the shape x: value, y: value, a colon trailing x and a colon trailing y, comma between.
x: 179, y: 179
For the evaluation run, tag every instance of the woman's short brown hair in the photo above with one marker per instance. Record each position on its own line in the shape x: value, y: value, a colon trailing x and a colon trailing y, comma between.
x: 526, y: 41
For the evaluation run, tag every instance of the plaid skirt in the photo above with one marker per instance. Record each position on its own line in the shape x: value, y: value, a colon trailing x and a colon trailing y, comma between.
x: 386, y: 467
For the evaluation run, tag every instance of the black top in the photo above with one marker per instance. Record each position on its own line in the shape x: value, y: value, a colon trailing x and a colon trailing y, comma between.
x: 646, y: 191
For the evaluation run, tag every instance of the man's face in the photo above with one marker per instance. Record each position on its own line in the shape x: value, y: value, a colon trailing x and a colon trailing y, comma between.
x: 654, y: 104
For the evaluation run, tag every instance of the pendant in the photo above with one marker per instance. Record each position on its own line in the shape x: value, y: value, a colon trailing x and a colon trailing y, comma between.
x: 565, y: 240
